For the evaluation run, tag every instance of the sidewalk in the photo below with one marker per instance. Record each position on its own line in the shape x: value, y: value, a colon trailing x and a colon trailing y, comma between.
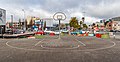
x: 17, y: 35
x: 117, y: 36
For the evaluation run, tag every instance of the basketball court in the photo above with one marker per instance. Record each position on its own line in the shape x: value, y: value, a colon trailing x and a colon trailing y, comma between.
x: 68, y: 43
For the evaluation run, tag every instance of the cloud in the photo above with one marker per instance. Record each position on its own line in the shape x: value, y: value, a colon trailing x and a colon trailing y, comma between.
x: 106, y: 9
x: 95, y: 9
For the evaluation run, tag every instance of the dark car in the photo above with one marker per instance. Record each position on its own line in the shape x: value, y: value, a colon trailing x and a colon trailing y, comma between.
x: 18, y: 31
x: 9, y: 31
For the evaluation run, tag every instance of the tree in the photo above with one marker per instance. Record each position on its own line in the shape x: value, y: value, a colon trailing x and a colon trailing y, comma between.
x: 85, y: 26
x: 74, y: 23
x: 81, y: 22
x: 93, y: 24
x: 106, y: 23
x: 62, y: 26
x: 83, y: 19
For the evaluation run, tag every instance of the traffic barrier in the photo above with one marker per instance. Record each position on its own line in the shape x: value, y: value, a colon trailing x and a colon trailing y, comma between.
x: 83, y: 34
x: 86, y: 34
x: 52, y: 34
x: 111, y: 33
x: 62, y: 34
x: 31, y: 37
x: 79, y: 35
x: 90, y: 34
x: 98, y: 35
x: 105, y: 36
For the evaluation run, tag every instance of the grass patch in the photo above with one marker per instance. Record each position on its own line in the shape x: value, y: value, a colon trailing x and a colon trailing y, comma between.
x: 22, y: 37
x: 39, y: 36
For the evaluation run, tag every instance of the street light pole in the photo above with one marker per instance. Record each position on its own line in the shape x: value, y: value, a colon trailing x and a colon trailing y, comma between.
x: 24, y: 21
x: 12, y: 23
x: 2, y: 31
x: 83, y: 18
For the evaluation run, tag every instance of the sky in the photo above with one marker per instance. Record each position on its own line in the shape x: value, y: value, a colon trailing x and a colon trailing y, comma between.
x: 95, y: 10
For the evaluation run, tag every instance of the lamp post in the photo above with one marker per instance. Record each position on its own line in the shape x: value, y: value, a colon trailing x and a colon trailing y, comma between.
x: 24, y: 20
x: 83, y: 18
x: 59, y: 16
x: 12, y: 23
x: 2, y: 31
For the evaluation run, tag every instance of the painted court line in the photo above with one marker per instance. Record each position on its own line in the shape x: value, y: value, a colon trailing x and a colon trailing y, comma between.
x: 103, y: 48
x: 60, y: 48
x: 38, y: 42
x: 81, y: 42
x: 23, y: 48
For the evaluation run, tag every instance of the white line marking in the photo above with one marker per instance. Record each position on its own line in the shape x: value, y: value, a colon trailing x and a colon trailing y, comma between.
x: 99, y: 48
x: 60, y: 48
x: 67, y: 48
x: 81, y: 42
x: 23, y: 48
x: 106, y: 47
x: 38, y: 42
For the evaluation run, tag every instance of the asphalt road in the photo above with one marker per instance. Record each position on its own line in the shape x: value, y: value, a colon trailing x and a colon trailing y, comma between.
x: 69, y: 49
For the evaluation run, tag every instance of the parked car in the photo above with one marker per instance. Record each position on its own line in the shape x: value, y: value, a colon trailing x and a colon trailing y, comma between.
x: 76, y: 32
x: 57, y: 32
x: 40, y: 32
x: 9, y: 31
x: 18, y: 31
x: 65, y: 31
x: 48, y: 31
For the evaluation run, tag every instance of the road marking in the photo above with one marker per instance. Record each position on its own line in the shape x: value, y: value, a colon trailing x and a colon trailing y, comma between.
x: 38, y: 42
x: 81, y: 42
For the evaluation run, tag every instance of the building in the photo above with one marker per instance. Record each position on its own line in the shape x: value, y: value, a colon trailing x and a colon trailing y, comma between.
x: 98, y: 26
x: 14, y: 25
x: 109, y: 25
x: 2, y: 20
x: 38, y: 23
x: 116, y: 19
x: 114, y: 24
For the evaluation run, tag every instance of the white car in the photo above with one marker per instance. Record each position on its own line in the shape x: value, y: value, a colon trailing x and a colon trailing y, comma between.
x: 48, y: 31
x: 57, y: 32
x: 64, y: 31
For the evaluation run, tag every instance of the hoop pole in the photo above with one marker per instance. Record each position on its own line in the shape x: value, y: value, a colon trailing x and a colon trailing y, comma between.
x: 59, y: 30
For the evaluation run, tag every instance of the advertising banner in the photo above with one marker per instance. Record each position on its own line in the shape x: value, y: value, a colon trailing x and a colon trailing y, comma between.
x: 2, y: 16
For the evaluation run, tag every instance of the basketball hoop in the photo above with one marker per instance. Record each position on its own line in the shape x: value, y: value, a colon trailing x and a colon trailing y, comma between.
x: 59, y: 16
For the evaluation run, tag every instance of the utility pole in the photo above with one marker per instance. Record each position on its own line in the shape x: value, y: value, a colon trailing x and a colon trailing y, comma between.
x: 12, y: 23
x: 24, y: 20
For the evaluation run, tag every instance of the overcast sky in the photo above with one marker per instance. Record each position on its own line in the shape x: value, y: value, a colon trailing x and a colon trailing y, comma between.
x: 94, y: 9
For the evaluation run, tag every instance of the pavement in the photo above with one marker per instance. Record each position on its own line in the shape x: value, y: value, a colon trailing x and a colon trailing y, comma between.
x: 16, y: 35
x: 48, y: 49
x: 117, y: 35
